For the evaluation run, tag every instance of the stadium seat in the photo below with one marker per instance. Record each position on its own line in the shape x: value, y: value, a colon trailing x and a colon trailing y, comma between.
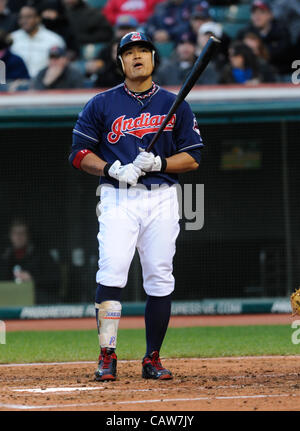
x: 240, y: 13
x: 97, y: 3
x: 79, y: 65
x: 88, y: 83
x: 165, y: 49
x: 219, y: 13
x: 90, y: 50
x: 232, y: 28
x: 234, y: 13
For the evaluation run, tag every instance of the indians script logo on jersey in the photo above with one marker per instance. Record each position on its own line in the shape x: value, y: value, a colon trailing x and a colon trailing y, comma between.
x: 139, y: 126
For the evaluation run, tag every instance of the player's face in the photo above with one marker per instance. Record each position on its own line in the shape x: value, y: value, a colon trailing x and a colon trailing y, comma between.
x: 137, y: 61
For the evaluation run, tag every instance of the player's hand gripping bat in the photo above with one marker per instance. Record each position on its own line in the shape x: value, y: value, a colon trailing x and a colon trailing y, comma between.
x: 199, y: 66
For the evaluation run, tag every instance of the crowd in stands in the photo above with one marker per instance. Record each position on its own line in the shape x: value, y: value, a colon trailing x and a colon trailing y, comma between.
x: 67, y: 44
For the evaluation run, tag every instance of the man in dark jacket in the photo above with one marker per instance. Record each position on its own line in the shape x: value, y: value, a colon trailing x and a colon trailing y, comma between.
x: 54, y: 18
x: 15, y: 68
x: 22, y: 262
x: 170, y: 20
x: 88, y: 24
x: 8, y: 19
x: 59, y: 73
x: 109, y: 74
x: 274, y: 35
x: 174, y: 70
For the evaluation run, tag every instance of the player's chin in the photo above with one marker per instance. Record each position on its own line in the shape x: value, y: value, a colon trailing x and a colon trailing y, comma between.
x: 141, y: 71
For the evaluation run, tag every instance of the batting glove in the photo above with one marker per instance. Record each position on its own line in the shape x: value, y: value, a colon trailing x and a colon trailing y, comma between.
x: 147, y: 162
x: 127, y: 173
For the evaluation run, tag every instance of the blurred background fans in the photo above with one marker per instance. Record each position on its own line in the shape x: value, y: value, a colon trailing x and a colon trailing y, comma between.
x: 249, y: 245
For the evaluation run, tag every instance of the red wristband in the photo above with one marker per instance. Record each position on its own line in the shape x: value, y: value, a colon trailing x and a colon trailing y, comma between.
x: 79, y: 157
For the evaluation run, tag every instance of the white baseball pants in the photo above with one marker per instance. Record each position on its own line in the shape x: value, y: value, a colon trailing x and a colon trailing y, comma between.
x: 143, y: 219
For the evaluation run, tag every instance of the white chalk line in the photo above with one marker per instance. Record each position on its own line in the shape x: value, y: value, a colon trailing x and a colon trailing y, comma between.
x: 74, y: 389
x: 55, y: 390
x: 95, y: 388
x: 166, y: 400
x: 224, y: 358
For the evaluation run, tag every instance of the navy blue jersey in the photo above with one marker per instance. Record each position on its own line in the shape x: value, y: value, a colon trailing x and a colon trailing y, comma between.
x: 116, y: 123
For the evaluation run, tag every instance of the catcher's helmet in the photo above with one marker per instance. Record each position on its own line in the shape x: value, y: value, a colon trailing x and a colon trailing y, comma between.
x: 136, y: 38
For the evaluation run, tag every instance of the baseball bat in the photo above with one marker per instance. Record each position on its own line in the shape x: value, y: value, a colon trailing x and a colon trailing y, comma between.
x: 199, y: 66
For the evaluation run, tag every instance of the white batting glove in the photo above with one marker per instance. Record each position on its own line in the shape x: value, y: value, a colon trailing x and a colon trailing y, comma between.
x: 127, y: 173
x: 148, y: 162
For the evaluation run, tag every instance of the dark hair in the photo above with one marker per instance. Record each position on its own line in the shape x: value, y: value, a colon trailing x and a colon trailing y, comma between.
x: 52, y: 4
x: 250, y: 59
x: 33, y: 5
x: 19, y: 222
x: 263, y: 51
x: 5, y: 39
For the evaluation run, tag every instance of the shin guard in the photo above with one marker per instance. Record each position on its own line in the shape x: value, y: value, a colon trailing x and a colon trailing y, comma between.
x: 109, y: 313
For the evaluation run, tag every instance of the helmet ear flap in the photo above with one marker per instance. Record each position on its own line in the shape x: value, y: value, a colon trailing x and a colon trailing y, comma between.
x: 121, y: 64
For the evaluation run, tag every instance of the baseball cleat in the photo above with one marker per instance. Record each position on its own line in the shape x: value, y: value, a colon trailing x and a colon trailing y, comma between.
x: 107, y: 366
x: 153, y: 369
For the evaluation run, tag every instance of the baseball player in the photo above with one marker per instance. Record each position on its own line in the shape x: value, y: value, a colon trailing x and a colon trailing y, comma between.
x: 138, y: 198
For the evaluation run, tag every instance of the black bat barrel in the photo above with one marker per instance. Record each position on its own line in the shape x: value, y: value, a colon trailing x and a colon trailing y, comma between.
x: 199, y: 66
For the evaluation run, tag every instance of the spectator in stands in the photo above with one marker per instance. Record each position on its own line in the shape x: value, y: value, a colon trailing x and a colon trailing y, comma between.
x: 15, y: 68
x: 170, y: 20
x: 59, y: 73
x: 288, y: 12
x: 211, y: 28
x: 141, y: 10
x: 109, y: 75
x: 223, y: 2
x: 16, y: 5
x: 87, y: 23
x: 54, y: 19
x: 124, y: 24
x: 201, y: 17
x: 22, y: 261
x: 8, y: 19
x: 274, y: 35
x: 244, y: 67
x: 256, y: 44
x: 33, y: 41
x: 174, y: 70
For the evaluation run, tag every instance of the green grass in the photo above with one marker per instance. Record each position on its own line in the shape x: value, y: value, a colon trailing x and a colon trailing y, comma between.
x: 47, y: 346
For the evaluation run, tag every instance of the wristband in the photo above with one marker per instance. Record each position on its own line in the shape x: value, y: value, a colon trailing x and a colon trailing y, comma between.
x: 163, y: 165
x: 106, y: 169
x: 79, y: 157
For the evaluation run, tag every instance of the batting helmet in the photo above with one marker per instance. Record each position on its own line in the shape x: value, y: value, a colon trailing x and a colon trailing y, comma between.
x: 136, y: 38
